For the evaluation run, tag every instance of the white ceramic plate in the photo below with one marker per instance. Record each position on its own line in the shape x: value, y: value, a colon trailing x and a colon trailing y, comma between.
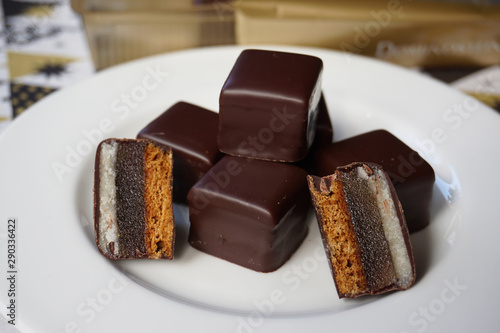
x: 65, y: 285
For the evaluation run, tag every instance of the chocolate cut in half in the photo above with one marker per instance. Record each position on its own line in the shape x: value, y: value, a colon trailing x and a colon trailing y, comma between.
x: 133, y: 213
x: 363, y: 230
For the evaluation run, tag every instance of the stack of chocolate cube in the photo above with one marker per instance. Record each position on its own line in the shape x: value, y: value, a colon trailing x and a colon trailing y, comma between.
x: 243, y: 171
x: 248, y: 198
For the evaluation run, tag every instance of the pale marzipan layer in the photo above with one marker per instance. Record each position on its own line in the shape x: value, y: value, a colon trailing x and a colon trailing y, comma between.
x: 108, y: 225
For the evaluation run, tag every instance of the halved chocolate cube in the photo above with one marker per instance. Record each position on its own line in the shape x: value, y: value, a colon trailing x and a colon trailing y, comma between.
x: 269, y: 105
x: 133, y: 214
x: 363, y: 230
x: 249, y: 212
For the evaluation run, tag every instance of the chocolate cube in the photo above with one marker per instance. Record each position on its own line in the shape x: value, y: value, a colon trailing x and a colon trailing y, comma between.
x: 412, y: 177
x: 269, y: 105
x: 249, y: 212
x: 191, y: 132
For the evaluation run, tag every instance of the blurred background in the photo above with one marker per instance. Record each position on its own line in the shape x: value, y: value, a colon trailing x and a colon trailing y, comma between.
x: 49, y: 44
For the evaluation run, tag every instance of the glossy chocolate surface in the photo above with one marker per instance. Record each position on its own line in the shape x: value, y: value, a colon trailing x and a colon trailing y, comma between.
x: 324, y: 127
x: 249, y: 212
x: 324, y: 134
x: 412, y: 177
x: 191, y: 132
x: 269, y: 105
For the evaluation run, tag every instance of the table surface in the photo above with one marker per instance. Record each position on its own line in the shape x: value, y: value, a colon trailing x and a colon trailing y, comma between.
x: 43, y: 48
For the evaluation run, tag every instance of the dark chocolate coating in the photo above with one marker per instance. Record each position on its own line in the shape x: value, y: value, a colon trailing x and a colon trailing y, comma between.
x: 191, y: 132
x: 249, y: 212
x: 268, y: 105
x: 324, y: 134
x: 412, y: 177
x: 324, y: 128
